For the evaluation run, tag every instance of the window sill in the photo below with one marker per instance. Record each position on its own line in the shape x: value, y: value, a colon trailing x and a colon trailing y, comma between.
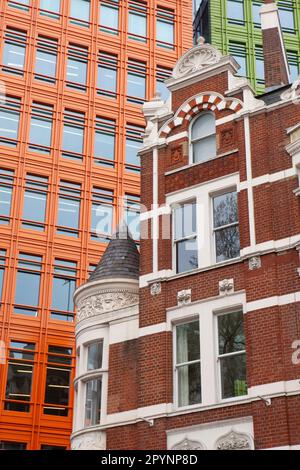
x: 205, y: 268
x: 203, y: 407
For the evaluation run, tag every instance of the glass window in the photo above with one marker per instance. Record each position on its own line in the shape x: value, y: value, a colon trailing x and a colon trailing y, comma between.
x: 77, y: 67
x: 2, y: 269
x: 107, y: 75
x: 35, y: 202
x: 136, y: 82
x: 93, y: 402
x: 134, y: 142
x: 46, y: 59
x: 28, y: 285
x: 6, y: 445
x: 185, y: 237
x: 95, y: 353
x: 6, y: 191
x: 19, y: 376
x: 239, y: 52
x: 63, y: 288
x: 68, y: 208
x: 162, y: 74
x: 52, y: 447
x: 137, y: 20
x: 9, y: 121
x: 102, y: 214
x: 293, y: 61
x: 132, y: 215
x: 50, y: 8
x: 20, y: 4
x: 109, y: 16
x: 105, y: 136
x: 188, y: 364
x: 80, y: 12
x: 259, y: 65
x: 165, y: 28
x: 14, y: 51
x: 226, y: 226
x: 73, y: 135
x: 256, y: 6
x: 235, y: 11
x: 58, y: 381
x: 232, y: 354
x: 286, y: 15
x: 203, y: 138
x: 41, y: 128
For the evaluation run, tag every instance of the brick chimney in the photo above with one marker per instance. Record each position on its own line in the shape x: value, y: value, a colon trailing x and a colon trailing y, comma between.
x: 276, y: 64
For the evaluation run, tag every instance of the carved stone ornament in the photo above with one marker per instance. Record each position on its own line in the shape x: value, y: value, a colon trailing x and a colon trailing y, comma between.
x: 195, y: 59
x: 293, y: 92
x: 90, y: 441
x: 155, y: 288
x: 105, y: 302
x: 226, y: 286
x: 254, y: 263
x: 234, y: 441
x: 184, y: 297
x: 186, y: 444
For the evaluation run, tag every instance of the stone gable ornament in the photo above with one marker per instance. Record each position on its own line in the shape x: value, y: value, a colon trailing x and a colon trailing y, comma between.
x: 197, y: 58
x: 186, y: 444
x: 234, y: 441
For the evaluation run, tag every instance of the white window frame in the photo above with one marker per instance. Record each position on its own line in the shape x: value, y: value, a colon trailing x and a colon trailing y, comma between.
x: 190, y: 237
x: 191, y: 141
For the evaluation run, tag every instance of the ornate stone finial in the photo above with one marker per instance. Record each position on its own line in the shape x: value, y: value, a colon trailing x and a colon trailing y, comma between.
x: 201, y: 40
x: 186, y: 444
x: 184, y: 297
x: 234, y: 441
x: 226, y: 286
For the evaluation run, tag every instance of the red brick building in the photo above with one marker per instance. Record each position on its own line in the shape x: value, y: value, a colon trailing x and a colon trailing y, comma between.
x: 204, y: 352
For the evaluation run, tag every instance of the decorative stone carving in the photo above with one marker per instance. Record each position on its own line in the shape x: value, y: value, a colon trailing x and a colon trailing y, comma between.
x: 90, y: 441
x: 234, y: 441
x: 105, y: 301
x: 254, y: 263
x: 227, y: 137
x: 176, y: 155
x: 195, y: 59
x: 184, y: 297
x: 155, y: 288
x: 292, y: 93
x: 186, y: 444
x: 226, y: 286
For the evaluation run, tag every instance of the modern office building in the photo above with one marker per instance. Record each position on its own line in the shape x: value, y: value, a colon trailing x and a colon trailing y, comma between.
x: 233, y: 26
x: 74, y: 75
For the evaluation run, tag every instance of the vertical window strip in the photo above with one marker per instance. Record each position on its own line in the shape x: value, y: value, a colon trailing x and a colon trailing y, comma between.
x: 165, y: 28
x: 102, y: 214
x: 41, y: 127
x: 235, y: 12
x: 69, y: 208
x: 109, y: 16
x: 134, y: 141
x: 58, y: 382
x: 9, y: 121
x: 6, y: 191
x: 46, y: 59
x: 73, y: 135
x: 137, y: 21
x: 77, y: 67
x: 226, y: 226
x: 2, y: 270
x: 259, y: 63
x: 105, y: 136
x: 107, y: 75
x: 28, y: 284
x: 185, y: 236
x: 286, y: 14
x: 132, y: 209
x: 35, y: 202
x: 293, y: 61
x: 15, y: 41
x: 136, y: 86
x: 162, y: 74
x: 63, y: 288
x: 239, y: 52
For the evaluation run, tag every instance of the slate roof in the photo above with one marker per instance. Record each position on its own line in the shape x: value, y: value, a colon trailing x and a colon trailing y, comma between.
x: 120, y: 260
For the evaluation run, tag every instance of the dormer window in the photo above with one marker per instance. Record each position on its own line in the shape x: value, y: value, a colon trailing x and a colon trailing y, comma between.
x: 203, y: 138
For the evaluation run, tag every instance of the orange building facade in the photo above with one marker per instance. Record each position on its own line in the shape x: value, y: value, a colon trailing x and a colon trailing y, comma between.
x: 73, y: 77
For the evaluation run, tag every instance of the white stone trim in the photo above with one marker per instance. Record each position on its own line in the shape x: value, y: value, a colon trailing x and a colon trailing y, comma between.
x: 268, y: 178
x: 271, y: 246
x: 275, y: 301
x: 152, y: 329
x: 179, y: 136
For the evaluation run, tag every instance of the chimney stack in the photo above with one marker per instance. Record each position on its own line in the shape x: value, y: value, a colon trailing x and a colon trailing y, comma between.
x: 275, y: 58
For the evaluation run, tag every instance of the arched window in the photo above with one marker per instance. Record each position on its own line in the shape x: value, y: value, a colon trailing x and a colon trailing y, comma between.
x: 203, y: 138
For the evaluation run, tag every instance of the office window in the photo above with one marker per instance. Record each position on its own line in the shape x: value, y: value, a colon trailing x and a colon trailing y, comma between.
x: 8, y: 445
x: 6, y: 191
x: 232, y: 354
x: 73, y: 135
x: 95, y: 355
x: 102, y: 214
x: 91, y: 268
x: 80, y: 12
x: 68, y: 208
x: 188, y: 364
x: 93, y: 389
x: 14, y: 51
x: 132, y: 207
x: 63, y: 288
x: 77, y: 67
x: 203, y: 138
x: 256, y: 6
x: 137, y: 21
x: 107, y: 75
x: 136, y: 82
x: 235, y: 12
x: 9, y: 121
x: 46, y: 59
x: 226, y: 226
x: 20, y: 4
x: 286, y: 15
x: 239, y: 52
x: 185, y: 236
x: 50, y: 8
x: 28, y: 285
x: 162, y: 74
x: 109, y: 16
x: 134, y: 142
x: 2, y: 270
x: 165, y: 28
x: 293, y: 61
x: 105, y: 136
x: 41, y: 128
x: 19, y: 376
x: 259, y: 65
x: 35, y: 202
x: 58, y: 381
